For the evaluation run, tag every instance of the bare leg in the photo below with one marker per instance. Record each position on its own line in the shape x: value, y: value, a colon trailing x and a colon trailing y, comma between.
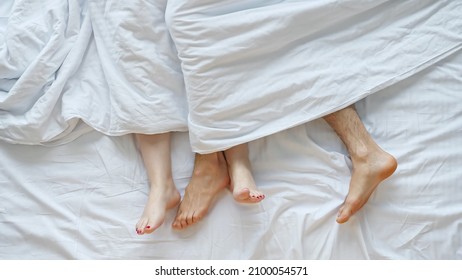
x: 210, y: 176
x: 163, y: 195
x: 242, y: 183
x: 371, y: 165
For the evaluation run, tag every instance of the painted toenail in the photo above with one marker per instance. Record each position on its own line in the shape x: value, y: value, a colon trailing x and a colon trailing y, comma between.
x: 148, y: 226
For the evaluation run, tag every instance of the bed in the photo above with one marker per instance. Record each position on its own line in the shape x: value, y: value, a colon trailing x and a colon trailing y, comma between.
x: 70, y: 189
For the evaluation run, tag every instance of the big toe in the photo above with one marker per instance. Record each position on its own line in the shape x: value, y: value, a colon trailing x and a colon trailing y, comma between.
x: 342, y: 217
x: 242, y: 194
x: 345, y: 212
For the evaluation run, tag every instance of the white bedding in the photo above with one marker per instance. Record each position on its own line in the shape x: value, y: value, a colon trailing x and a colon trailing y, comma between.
x: 80, y: 195
x: 66, y: 67
x: 257, y: 67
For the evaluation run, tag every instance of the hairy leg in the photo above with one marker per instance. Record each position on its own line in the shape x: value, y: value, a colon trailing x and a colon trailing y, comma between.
x: 210, y: 176
x: 163, y: 195
x: 371, y: 164
x: 242, y: 183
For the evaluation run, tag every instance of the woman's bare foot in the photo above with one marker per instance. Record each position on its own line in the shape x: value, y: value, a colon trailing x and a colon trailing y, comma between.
x: 210, y: 176
x: 242, y: 183
x: 369, y: 170
x: 160, y: 200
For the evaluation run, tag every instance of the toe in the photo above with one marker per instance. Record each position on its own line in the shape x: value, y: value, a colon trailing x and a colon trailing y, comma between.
x: 140, y: 226
x: 189, y: 219
x: 183, y: 223
x: 177, y: 222
x: 148, y: 229
x: 196, y: 217
x: 243, y: 194
x: 343, y: 215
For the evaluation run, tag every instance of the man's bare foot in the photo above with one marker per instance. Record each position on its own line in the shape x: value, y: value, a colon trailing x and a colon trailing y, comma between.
x: 210, y: 176
x: 160, y: 200
x: 369, y: 171
x: 243, y: 185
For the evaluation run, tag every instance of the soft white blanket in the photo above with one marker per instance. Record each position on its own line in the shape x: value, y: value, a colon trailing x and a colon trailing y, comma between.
x: 70, y: 65
x: 257, y: 67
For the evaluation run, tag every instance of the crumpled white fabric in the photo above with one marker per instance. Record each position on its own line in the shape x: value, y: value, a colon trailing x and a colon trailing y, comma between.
x: 68, y: 67
x: 256, y: 67
x: 82, y: 200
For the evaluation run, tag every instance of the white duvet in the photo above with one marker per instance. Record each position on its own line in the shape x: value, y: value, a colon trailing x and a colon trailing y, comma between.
x: 251, y: 68
x: 66, y: 66
x: 257, y: 67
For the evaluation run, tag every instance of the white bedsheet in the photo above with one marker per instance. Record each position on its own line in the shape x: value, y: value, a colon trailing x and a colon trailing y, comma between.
x: 81, y: 199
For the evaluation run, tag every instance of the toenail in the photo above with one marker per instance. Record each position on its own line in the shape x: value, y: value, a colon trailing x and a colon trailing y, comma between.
x: 148, y: 226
